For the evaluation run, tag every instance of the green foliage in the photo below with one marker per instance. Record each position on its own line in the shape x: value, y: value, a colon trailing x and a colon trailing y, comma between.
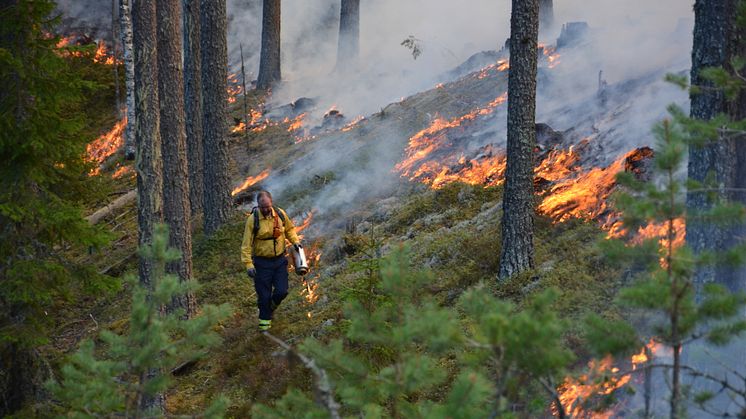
x: 367, y: 263
x: 414, y: 338
x: 135, y: 365
x: 665, y: 292
x: 43, y: 178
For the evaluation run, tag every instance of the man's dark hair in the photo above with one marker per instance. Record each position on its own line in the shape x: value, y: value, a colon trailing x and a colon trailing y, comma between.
x: 262, y: 193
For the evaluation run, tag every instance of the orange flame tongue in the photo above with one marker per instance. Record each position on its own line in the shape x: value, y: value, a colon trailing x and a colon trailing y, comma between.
x: 104, y: 146
x: 251, y: 180
x: 603, y: 379
x: 102, y: 55
x: 424, y: 143
x: 581, y: 196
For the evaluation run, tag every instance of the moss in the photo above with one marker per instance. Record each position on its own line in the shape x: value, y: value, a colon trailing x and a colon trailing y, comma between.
x: 455, y: 201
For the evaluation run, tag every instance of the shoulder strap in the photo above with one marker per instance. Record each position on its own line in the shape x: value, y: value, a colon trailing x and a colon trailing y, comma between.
x: 281, y: 213
x: 255, y: 213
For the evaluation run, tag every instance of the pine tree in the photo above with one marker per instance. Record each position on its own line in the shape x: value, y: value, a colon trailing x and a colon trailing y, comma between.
x: 112, y: 380
x: 44, y: 129
x: 410, y: 336
x: 149, y: 162
x: 214, y: 46
x: 665, y: 290
x: 269, y: 60
x: 720, y: 162
x: 125, y: 18
x: 193, y: 103
x: 517, y: 254
x: 176, y: 209
x: 349, y: 33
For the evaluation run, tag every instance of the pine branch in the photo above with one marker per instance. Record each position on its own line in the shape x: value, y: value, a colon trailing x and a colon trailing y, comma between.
x: 325, y: 395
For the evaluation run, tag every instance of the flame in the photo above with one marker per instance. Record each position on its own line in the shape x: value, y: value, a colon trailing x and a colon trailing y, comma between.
x: 66, y: 41
x: 551, y: 55
x: 497, y: 67
x: 107, y: 144
x: 122, y: 171
x: 234, y: 87
x: 598, y: 382
x: 251, y: 180
x: 297, y: 123
x: 424, y: 143
x: 102, y: 55
x: 239, y: 128
x: 601, y: 380
x: 660, y: 230
x: 559, y: 164
x: 553, y: 58
x: 582, y: 196
x: 354, y: 122
x: 304, y: 225
x: 310, y: 290
x: 255, y: 123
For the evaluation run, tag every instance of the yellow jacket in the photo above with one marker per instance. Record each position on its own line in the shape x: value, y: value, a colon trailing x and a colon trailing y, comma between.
x: 264, y: 245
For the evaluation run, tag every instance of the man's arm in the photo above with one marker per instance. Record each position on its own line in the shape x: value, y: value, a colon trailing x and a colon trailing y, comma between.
x: 248, y: 242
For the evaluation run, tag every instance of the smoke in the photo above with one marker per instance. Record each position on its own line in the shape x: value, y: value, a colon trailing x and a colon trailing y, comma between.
x: 635, y: 41
x: 90, y: 17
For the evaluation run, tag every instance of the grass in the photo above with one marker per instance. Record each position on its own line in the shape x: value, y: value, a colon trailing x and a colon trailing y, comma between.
x: 454, y: 232
x: 244, y: 367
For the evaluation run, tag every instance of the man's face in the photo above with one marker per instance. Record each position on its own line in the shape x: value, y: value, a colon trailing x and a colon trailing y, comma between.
x: 265, y: 206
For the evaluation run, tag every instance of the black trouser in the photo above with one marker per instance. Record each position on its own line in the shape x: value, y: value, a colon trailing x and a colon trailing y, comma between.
x: 271, y: 283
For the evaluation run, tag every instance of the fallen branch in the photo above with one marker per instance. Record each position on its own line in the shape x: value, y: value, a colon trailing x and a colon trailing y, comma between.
x: 324, y: 395
x: 111, y: 207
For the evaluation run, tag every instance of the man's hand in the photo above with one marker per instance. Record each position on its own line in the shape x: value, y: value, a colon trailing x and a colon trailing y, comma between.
x: 251, y: 272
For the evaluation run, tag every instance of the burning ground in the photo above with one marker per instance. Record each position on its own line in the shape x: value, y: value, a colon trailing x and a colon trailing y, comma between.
x: 360, y: 186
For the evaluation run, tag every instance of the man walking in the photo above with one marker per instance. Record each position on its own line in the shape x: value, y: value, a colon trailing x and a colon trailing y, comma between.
x: 263, y: 253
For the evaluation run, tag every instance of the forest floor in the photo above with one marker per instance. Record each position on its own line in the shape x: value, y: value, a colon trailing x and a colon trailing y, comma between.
x: 454, y: 232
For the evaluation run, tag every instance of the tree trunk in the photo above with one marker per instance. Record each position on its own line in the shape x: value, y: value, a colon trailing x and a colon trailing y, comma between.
x: 349, y: 33
x: 517, y: 222
x: 176, y: 211
x: 269, y: 62
x: 148, y: 163
x: 193, y: 103
x: 717, y: 41
x: 115, y: 50
x: 125, y: 18
x: 214, y: 45
x: 546, y: 15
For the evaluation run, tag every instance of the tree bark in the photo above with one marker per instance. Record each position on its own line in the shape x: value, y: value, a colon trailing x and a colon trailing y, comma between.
x: 546, y: 15
x: 214, y: 45
x: 125, y: 18
x: 717, y: 40
x: 115, y: 50
x: 148, y: 162
x: 269, y: 61
x: 349, y: 33
x: 193, y: 103
x: 518, y: 210
x: 176, y: 211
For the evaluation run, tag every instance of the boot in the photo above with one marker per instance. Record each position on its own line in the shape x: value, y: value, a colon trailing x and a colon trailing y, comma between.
x: 264, y: 325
